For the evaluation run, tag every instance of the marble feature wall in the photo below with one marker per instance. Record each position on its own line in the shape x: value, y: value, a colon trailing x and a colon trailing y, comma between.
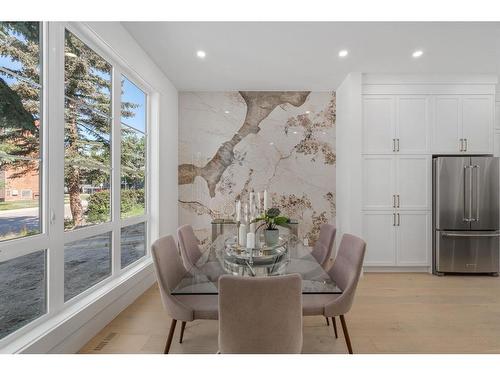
x: 233, y: 142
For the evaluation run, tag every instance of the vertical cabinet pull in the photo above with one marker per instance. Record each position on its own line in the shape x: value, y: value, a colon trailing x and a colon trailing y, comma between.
x: 465, y: 142
x: 393, y: 200
x: 397, y: 205
x: 393, y: 144
x: 397, y: 143
x: 393, y: 219
x: 461, y: 145
x: 398, y: 219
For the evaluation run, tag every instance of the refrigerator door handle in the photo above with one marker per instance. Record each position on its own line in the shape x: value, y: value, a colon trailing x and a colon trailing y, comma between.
x: 467, y: 194
x: 477, y: 191
x: 445, y: 234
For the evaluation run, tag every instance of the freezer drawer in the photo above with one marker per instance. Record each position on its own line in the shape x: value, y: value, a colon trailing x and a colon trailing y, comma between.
x: 466, y: 251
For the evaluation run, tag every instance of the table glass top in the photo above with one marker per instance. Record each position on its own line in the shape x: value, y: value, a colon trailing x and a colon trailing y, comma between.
x: 224, y: 256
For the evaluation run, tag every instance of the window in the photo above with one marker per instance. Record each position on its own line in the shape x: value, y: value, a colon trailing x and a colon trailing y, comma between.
x: 86, y: 262
x: 20, y: 129
x: 22, y: 291
x: 133, y: 243
x: 92, y: 225
x: 133, y: 150
x: 87, y: 135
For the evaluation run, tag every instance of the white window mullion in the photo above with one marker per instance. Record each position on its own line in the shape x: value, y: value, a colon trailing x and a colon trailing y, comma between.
x: 116, y: 172
x: 55, y: 163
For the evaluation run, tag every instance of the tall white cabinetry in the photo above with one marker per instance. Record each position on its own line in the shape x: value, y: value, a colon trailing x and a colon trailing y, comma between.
x: 404, y: 121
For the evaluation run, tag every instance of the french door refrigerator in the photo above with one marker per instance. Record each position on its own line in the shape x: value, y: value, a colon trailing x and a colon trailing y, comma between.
x: 466, y: 214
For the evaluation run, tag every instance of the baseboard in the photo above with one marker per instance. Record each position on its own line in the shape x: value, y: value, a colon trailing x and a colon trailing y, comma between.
x: 399, y: 269
x: 71, y: 330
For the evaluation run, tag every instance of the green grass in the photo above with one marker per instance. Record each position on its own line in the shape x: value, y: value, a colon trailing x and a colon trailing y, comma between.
x: 14, y: 205
x: 135, y: 211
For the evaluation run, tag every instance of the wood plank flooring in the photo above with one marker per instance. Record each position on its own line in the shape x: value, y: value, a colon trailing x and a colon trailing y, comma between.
x: 392, y: 313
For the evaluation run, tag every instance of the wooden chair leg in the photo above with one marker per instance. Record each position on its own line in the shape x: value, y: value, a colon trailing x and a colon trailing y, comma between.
x: 327, y: 321
x: 334, y: 323
x: 170, y: 336
x: 182, y: 332
x: 346, y: 334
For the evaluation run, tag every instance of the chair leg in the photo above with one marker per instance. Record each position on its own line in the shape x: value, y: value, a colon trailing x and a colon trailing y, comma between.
x: 334, y: 323
x: 182, y: 332
x: 346, y: 334
x: 170, y: 336
x: 327, y: 321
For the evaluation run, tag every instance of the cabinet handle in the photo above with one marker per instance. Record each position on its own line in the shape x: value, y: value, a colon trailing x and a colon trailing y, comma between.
x: 393, y: 144
x: 393, y: 219
x: 397, y: 140
x: 398, y: 201
x: 393, y: 200
x: 465, y: 140
x: 398, y: 219
x: 461, y: 146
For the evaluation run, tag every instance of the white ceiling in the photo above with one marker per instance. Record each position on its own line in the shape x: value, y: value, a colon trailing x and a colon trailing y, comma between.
x: 304, y: 55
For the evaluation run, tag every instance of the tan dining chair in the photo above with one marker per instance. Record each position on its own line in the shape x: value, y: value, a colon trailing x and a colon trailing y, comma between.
x: 189, y: 246
x: 260, y: 315
x: 345, y: 272
x: 169, y: 272
x: 322, y: 250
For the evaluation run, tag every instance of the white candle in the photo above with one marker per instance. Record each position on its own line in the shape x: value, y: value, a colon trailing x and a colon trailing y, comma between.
x: 242, y: 234
x: 250, y: 240
x: 238, y: 210
x: 252, y: 227
x: 266, y: 200
x: 246, y: 211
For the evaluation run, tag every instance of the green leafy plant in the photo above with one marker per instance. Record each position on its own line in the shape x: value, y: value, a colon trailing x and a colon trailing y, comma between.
x: 271, y: 219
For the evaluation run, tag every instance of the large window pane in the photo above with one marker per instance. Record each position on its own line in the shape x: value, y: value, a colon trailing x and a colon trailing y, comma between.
x: 87, y: 135
x: 86, y: 262
x: 133, y: 243
x: 20, y: 129
x: 19, y: 198
x: 133, y: 150
x: 23, y: 291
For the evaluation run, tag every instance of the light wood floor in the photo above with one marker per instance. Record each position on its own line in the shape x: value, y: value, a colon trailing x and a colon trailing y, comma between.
x: 392, y: 313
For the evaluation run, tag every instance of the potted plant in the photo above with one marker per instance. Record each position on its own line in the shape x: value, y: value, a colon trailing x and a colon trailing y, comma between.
x: 271, y: 219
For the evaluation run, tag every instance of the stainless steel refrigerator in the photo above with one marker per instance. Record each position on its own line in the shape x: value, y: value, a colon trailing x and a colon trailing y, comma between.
x: 466, y: 214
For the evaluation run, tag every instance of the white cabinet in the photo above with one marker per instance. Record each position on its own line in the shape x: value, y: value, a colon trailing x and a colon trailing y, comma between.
x: 397, y: 238
x: 379, y: 233
x: 413, y: 238
x: 412, y: 124
x: 396, y: 124
x: 378, y: 124
x: 496, y: 152
x: 497, y: 115
x: 446, y: 126
x: 477, y: 123
x: 463, y: 124
x: 401, y: 181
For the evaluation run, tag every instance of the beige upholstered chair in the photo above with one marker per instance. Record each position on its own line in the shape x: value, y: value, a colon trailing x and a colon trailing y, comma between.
x: 260, y: 314
x: 169, y: 272
x: 322, y: 249
x: 345, y: 272
x: 189, y: 246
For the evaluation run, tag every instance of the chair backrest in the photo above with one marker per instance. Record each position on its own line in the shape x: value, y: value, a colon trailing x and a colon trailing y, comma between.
x: 190, y: 251
x: 169, y: 272
x: 346, y: 270
x: 322, y: 249
x: 260, y: 314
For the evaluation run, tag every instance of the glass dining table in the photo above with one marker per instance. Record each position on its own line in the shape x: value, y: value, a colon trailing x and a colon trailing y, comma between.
x: 225, y: 256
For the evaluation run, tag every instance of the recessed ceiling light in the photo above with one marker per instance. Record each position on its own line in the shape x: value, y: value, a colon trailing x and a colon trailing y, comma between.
x: 417, y: 53
x: 295, y: 132
x: 201, y: 54
x: 271, y: 143
x: 307, y: 112
x: 343, y: 53
x: 226, y: 112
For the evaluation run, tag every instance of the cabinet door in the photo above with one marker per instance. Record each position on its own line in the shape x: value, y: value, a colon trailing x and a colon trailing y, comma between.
x: 497, y: 115
x: 477, y: 123
x: 413, y: 182
x: 379, y: 234
x: 378, y: 124
x: 378, y: 182
x: 412, y: 125
x: 496, y: 151
x: 413, y: 238
x: 446, y: 128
